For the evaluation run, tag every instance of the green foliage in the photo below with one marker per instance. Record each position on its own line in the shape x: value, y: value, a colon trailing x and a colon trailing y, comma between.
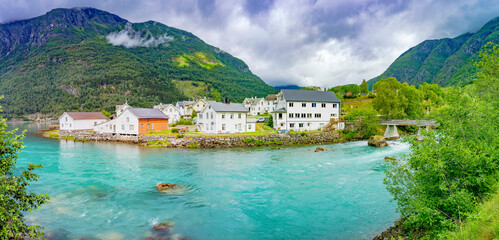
x: 312, y: 88
x: 446, y: 175
x: 193, y: 145
x: 249, y: 140
x: 348, y: 134
x: 368, y: 122
x: 15, y: 198
x: 106, y: 113
x: 174, y: 130
x: 180, y: 136
x: 270, y: 122
x: 364, y: 87
x: 183, y: 121
x: 304, y: 134
x: 346, y: 91
x: 194, y: 114
x: 397, y: 101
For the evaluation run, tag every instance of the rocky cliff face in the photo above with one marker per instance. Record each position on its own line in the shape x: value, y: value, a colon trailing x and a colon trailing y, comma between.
x: 37, y: 31
x: 445, y: 61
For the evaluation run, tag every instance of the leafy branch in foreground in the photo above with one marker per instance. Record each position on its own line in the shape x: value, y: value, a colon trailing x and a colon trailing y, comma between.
x: 443, y: 178
x: 15, y: 198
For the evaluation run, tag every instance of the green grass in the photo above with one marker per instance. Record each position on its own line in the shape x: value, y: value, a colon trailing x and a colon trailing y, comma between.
x: 193, y: 145
x: 53, y: 133
x: 158, y: 143
x: 191, y: 89
x: 482, y: 224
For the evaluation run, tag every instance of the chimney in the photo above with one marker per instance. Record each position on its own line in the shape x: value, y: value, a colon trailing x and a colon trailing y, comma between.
x: 227, y: 100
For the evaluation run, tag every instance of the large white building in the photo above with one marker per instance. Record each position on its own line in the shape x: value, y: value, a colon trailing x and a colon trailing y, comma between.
x: 80, y: 120
x: 219, y: 117
x: 303, y: 110
x: 170, y: 111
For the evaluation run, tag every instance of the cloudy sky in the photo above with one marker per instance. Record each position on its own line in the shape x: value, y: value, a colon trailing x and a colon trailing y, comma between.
x: 303, y: 42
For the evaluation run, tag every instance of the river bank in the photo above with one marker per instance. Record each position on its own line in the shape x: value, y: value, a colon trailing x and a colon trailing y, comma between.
x: 228, y: 141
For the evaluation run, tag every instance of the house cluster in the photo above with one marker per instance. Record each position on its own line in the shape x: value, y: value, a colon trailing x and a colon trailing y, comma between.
x: 297, y: 110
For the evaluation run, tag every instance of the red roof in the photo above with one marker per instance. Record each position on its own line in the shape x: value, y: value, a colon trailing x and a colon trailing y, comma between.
x: 86, y: 115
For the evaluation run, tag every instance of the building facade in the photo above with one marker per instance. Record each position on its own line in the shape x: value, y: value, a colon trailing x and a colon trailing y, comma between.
x: 134, y: 121
x: 219, y: 117
x: 170, y: 111
x: 80, y: 120
x: 303, y: 110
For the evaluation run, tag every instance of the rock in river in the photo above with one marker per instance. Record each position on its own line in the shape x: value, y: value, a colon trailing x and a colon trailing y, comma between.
x: 170, y: 188
x: 377, y: 141
x: 320, y: 149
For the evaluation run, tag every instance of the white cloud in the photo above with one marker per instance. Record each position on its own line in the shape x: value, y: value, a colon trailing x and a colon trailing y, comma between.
x: 132, y: 39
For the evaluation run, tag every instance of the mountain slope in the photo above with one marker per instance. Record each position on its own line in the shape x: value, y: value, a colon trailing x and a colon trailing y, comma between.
x: 445, y: 61
x: 88, y: 59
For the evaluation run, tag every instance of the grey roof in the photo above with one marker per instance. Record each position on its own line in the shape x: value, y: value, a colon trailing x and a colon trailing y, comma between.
x: 252, y: 101
x: 280, y: 110
x: 147, y: 113
x: 227, y: 107
x: 182, y: 103
x: 309, y: 96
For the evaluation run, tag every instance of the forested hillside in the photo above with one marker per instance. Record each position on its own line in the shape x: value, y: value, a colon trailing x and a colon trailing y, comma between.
x: 87, y: 59
x: 445, y: 62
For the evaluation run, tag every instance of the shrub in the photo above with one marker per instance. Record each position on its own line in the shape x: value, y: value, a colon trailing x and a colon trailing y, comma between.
x: 193, y: 145
x: 304, y: 134
x: 249, y: 140
x: 180, y: 136
x: 174, y: 130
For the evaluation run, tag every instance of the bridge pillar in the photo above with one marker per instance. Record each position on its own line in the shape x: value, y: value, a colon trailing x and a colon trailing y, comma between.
x: 391, y: 132
x: 418, y: 134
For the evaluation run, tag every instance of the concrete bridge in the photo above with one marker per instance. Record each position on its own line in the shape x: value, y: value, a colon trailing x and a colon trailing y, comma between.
x: 391, y: 127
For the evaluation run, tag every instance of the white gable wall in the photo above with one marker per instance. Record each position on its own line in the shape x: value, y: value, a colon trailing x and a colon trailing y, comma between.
x: 126, y: 123
x: 66, y: 122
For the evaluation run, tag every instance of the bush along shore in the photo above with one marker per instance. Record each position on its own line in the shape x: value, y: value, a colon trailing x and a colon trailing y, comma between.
x: 221, y: 141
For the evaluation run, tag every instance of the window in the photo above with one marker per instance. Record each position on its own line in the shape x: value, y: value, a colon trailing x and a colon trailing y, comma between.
x: 66, y: 119
x: 303, y: 105
x: 231, y: 116
x: 309, y: 115
x: 200, y: 116
x: 207, y: 116
x: 290, y: 115
x: 290, y: 104
x: 297, y: 115
x: 282, y: 124
x: 141, y: 125
x: 70, y: 125
x: 122, y: 126
x: 239, y: 126
x: 249, y: 126
x: 130, y: 127
x: 333, y: 114
x: 291, y: 125
x: 323, y: 105
x: 303, y: 115
x: 223, y: 126
x: 239, y: 115
x: 152, y: 125
x: 223, y: 115
x: 314, y: 104
x: 300, y: 125
x: 318, y: 115
x: 211, y: 115
x: 148, y: 126
x: 280, y: 115
x: 95, y: 123
x: 335, y: 105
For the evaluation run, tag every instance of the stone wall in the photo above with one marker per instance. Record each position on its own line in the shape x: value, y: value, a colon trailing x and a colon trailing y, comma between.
x: 211, y: 142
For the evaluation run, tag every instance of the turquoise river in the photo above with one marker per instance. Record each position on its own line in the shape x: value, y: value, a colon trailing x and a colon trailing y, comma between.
x: 108, y: 190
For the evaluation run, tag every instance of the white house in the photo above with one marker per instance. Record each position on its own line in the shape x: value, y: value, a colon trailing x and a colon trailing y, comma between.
x: 254, y: 105
x: 219, y: 117
x: 121, y: 108
x: 135, y: 121
x: 269, y: 103
x: 170, y: 111
x: 302, y: 110
x: 80, y: 120
x: 185, y: 107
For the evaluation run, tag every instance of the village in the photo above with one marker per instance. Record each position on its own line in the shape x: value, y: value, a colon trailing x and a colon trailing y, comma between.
x: 289, y: 110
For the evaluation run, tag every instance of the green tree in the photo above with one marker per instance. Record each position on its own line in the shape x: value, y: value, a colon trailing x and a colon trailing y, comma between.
x: 312, y: 88
x: 411, y: 101
x: 106, y: 113
x: 443, y: 178
x: 194, y: 114
x: 364, y: 87
x: 387, y: 102
x: 368, y: 122
x: 15, y: 198
x: 270, y: 122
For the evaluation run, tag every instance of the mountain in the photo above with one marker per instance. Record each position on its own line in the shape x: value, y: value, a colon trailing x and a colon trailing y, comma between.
x: 278, y: 88
x: 88, y: 59
x: 445, y: 62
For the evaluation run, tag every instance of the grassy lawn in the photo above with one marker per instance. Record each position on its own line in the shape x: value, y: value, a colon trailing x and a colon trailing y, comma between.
x: 482, y: 224
x: 259, y: 116
x: 360, y: 102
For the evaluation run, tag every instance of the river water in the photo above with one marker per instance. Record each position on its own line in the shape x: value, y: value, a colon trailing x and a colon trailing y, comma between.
x: 108, y: 190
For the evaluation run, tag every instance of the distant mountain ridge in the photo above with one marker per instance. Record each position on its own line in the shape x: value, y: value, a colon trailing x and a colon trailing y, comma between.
x: 88, y: 59
x: 445, y: 62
